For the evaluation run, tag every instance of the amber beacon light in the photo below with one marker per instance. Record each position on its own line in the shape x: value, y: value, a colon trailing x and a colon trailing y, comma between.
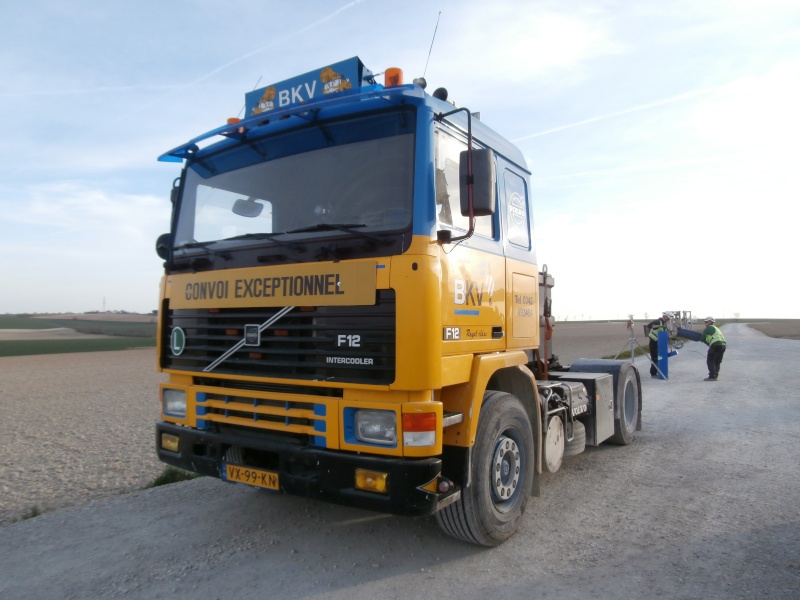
x: 393, y: 77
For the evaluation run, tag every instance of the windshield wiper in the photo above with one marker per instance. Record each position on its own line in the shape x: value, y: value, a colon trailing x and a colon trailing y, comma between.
x: 271, y: 237
x: 205, y: 246
x: 346, y: 227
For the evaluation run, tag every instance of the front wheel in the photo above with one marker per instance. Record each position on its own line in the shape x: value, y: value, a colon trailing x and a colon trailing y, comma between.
x: 502, y: 468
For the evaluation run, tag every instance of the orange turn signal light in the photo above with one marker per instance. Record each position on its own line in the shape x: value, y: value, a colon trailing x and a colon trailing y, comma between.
x: 419, y: 421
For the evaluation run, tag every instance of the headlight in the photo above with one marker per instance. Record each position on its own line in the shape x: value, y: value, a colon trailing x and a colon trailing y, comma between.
x: 376, y: 427
x: 173, y: 402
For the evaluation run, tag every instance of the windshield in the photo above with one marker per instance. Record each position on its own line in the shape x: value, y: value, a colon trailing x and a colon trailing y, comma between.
x: 353, y: 175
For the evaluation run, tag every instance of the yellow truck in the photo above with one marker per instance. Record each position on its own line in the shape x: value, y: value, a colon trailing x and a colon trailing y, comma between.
x: 352, y: 310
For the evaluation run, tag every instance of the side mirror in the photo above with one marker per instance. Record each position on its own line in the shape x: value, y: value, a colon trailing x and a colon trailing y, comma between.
x: 162, y: 246
x: 484, y: 197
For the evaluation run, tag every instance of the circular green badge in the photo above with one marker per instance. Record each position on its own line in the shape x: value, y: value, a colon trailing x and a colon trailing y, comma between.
x: 177, y: 341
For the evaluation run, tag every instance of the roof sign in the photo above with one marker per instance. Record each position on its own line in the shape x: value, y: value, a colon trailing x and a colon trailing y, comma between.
x: 339, y: 77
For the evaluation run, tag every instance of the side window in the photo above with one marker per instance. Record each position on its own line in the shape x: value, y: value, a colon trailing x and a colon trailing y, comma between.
x: 519, y: 229
x: 448, y: 199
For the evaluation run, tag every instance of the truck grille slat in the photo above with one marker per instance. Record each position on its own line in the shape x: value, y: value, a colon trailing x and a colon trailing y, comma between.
x: 286, y: 412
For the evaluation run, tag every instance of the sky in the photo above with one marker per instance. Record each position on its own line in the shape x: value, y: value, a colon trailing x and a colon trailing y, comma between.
x: 663, y: 137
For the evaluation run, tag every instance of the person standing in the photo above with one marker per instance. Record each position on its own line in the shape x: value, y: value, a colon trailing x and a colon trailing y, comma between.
x: 654, y: 327
x: 713, y: 338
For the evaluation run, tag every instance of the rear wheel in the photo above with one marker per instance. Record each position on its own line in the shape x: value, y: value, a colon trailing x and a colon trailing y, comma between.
x: 490, y: 509
x: 627, y: 402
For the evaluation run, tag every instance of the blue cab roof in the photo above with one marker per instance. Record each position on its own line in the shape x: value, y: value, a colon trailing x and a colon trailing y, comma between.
x: 340, y: 88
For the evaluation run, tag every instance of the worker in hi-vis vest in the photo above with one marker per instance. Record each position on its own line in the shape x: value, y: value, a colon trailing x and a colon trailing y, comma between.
x: 653, y: 328
x: 713, y: 338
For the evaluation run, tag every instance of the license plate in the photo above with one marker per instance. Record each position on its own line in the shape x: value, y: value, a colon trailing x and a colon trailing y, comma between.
x: 251, y: 476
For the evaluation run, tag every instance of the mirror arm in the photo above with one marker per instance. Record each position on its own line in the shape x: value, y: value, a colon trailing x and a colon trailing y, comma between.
x: 441, y: 236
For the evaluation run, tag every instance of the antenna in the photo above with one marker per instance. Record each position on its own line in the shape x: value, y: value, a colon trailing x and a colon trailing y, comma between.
x: 432, y: 40
x: 254, y: 87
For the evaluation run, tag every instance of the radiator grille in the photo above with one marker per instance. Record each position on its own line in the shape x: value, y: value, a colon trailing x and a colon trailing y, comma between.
x: 354, y: 344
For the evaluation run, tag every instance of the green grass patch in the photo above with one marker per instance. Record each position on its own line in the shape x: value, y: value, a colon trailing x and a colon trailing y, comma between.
x: 98, y: 327
x: 172, y: 475
x: 33, y: 512
x: 122, y: 328
x: 25, y: 322
x: 30, y: 347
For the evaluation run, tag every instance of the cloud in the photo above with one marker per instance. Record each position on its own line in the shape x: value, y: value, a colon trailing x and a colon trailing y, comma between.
x: 276, y: 42
x: 89, y: 228
x: 759, y: 113
x: 626, y: 111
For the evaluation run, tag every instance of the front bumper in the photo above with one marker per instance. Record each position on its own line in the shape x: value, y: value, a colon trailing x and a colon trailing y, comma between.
x: 312, y: 472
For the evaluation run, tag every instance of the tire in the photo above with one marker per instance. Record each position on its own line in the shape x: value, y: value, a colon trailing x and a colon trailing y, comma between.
x: 626, y: 404
x: 578, y: 443
x: 490, y: 509
x: 553, y: 446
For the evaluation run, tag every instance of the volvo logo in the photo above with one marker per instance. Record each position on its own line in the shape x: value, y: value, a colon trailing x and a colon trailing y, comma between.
x: 252, y: 335
x: 177, y: 341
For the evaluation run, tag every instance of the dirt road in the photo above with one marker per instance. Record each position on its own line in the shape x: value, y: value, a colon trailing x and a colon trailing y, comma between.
x: 702, y: 505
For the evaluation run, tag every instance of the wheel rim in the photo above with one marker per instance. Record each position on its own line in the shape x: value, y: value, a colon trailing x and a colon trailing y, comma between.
x: 554, y: 444
x: 629, y: 406
x: 506, y: 472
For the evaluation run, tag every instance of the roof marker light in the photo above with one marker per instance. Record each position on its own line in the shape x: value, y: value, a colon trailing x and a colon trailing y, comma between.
x: 393, y: 77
